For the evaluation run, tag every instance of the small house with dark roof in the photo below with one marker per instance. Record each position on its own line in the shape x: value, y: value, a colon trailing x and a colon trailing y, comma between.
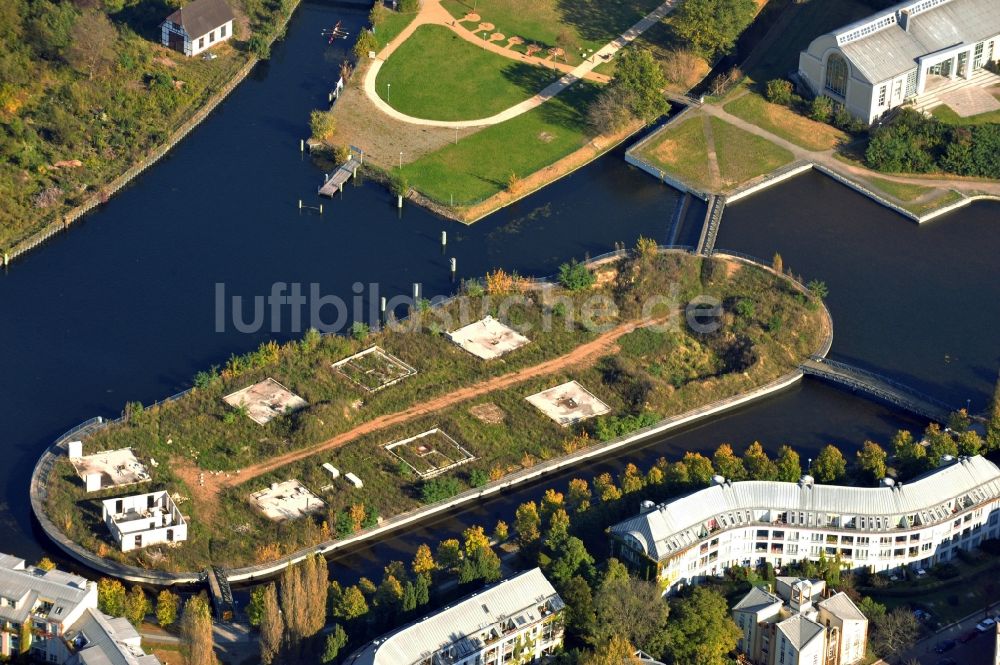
x: 197, y: 26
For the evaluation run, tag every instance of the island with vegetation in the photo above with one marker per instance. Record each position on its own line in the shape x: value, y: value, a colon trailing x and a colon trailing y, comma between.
x: 591, y: 328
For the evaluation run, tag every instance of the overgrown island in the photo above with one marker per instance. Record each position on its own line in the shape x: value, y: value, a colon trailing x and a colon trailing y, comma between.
x: 211, y: 456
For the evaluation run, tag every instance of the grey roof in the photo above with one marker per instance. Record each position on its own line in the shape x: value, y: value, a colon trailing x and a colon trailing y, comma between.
x: 30, y: 585
x: 799, y: 630
x: 460, y: 625
x: 676, y: 525
x: 110, y: 641
x: 892, y: 51
x: 201, y: 16
x: 756, y: 600
x: 840, y: 605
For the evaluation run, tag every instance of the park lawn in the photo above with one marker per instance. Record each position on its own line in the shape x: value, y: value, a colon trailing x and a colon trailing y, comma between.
x: 480, y: 165
x: 682, y: 151
x: 947, y: 601
x: 743, y: 156
x: 786, y: 123
x: 945, y: 114
x: 781, y: 55
x: 589, y: 24
x: 394, y: 23
x: 437, y: 75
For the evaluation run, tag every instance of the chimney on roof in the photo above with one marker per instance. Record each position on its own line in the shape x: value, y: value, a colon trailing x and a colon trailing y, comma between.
x: 888, y: 482
x: 904, y: 19
x: 718, y: 480
x: 806, y: 481
x: 646, y: 506
x: 946, y: 460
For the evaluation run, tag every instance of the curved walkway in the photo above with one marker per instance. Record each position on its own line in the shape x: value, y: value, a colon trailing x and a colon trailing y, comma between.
x: 432, y: 13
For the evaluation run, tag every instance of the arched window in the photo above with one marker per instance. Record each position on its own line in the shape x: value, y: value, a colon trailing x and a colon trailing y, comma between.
x: 836, y: 74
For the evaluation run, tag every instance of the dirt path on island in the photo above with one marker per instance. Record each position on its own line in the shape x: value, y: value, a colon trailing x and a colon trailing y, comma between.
x: 208, y: 490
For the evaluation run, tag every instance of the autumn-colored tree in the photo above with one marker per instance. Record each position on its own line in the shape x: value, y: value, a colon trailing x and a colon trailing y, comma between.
x: 91, y: 51
x: 111, y: 597
x: 388, y: 597
x: 605, y: 487
x: 578, y: 498
x: 829, y: 466
x: 700, y: 629
x: 558, y: 529
x: 871, y: 460
x: 646, y: 248
x: 136, y: 605
x: 501, y: 532
x: 272, y: 626
x: 940, y: 444
x: 677, y: 473
x: 167, y: 606
x: 449, y: 554
x: 357, y: 513
x: 910, y: 455
x: 45, y: 564
x: 778, y: 264
x: 631, y: 479
x: 727, y: 464
x: 788, y: 464
x: 527, y: 523
x: 350, y: 605
x: 499, y: 283
x: 655, y: 476
x: 423, y: 561
x: 758, y: 465
x: 615, y: 651
x: 551, y: 501
x: 969, y: 443
x: 699, y: 467
x: 196, y: 632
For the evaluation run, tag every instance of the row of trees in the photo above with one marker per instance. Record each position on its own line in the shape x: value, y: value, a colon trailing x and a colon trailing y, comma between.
x: 134, y: 605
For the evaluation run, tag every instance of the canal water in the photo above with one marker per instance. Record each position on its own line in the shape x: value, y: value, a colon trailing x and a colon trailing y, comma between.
x: 122, y: 308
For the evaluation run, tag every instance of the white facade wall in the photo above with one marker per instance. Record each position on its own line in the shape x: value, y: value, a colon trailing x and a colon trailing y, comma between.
x: 809, y: 654
x: 876, y: 551
x: 143, y: 524
x: 194, y: 46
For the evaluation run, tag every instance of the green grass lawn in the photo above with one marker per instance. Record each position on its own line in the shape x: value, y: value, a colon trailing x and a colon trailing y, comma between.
x: 949, y: 601
x: 743, y: 156
x: 948, y: 116
x: 587, y: 24
x: 480, y: 165
x: 812, y: 19
x: 786, y: 123
x: 437, y: 75
x: 394, y: 24
x: 682, y: 151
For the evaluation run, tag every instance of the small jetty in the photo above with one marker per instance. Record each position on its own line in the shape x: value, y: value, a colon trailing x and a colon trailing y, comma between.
x: 335, y: 181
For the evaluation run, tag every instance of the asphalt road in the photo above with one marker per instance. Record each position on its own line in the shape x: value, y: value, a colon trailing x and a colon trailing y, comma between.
x: 979, y: 650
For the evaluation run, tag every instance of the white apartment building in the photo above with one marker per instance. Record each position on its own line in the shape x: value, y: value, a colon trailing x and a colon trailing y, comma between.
x: 53, y: 616
x: 517, y: 620
x: 750, y: 523
x: 801, y: 625
x: 878, y: 63
x: 141, y: 520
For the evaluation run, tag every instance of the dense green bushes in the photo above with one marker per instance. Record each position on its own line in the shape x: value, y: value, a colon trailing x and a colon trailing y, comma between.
x: 913, y: 143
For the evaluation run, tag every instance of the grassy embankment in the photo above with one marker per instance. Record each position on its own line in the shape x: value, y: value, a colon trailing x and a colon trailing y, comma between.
x: 653, y: 375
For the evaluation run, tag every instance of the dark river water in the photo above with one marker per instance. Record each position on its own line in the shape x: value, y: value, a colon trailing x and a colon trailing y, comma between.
x: 122, y: 308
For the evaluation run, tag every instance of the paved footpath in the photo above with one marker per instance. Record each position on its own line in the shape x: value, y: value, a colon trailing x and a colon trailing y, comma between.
x: 432, y: 13
x: 826, y: 158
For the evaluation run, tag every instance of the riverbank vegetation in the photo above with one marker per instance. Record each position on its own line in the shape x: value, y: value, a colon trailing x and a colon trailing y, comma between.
x: 87, y: 91
x: 198, y: 441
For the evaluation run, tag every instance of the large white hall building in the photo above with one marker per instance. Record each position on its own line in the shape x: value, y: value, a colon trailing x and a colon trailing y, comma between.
x: 876, y: 64
x: 750, y: 523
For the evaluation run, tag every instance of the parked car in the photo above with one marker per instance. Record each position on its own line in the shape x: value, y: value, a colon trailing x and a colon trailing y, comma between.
x: 986, y: 624
x: 969, y: 636
x: 944, y: 646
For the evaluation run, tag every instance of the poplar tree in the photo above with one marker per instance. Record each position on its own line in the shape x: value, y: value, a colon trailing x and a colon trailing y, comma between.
x: 196, y: 632
x: 272, y: 626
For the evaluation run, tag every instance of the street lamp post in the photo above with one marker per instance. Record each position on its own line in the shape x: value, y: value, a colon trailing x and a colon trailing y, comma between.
x: 400, y: 160
x: 388, y: 88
